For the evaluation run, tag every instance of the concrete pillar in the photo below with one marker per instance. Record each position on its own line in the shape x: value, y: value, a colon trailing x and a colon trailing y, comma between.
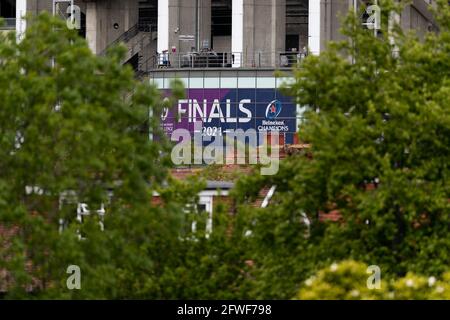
x: 127, y: 11
x: 163, y: 25
x: 186, y: 24
x: 325, y: 22
x: 278, y: 29
x: 205, y: 23
x: 258, y: 32
x: 237, y: 32
x: 264, y: 31
x: 21, y: 24
x: 339, y: 9
x: 102, y: 15
x: 406, y: 18
x: 331, y: 12
x: 91, y: 26
x: 248, y: 49
x: 314, y: 27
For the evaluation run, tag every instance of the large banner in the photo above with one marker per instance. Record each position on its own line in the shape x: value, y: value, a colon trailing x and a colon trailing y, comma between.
x: 217, y: 111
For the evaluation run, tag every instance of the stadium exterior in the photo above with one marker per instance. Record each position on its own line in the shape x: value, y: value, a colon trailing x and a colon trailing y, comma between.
x: 256, y: 32
x: 225, y: 52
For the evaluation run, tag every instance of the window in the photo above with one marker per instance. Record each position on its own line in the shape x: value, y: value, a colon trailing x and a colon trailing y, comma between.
x: 206, y: 205
x: 202, y: 215
x: 8, y: 8
x: 8, y: 13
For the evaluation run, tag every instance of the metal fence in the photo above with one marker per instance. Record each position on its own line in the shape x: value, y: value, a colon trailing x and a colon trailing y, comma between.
x: 211, y: 59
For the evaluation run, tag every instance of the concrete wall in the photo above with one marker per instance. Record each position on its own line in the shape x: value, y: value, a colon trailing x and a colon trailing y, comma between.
x: 415, y: 16
x: 258, y: 25
x: 332, y: 12
x: 102, y: 15
x: 314, y: 26
x: 264, y: 30
x: 182, y: 15
x: 36, y: 6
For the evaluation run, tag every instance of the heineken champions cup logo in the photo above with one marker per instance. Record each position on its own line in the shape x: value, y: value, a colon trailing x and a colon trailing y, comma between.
x: 273, y: 109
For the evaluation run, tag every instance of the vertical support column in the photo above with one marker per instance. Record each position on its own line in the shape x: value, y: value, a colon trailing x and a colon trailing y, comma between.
x: 184, y: 24
x: 126, y: 20
x: 394, y: 19
x: 258, y: 32
x: 278, y: 32
x: 406, y: 18
x: 177, y: 26
x: 237, y: 32
x: 273, y: 32
x: 250, y: 28
x: 91, y: 25
x: 21, y: 24
x: 197, y: 24
x: 314, y: 26
x: 163, y: 25
x: 205, y: 23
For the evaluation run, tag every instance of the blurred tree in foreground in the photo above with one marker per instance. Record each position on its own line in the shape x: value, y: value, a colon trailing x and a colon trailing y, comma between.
x: 347, y: 281
x: 378, y: 121
x: 72, y: 132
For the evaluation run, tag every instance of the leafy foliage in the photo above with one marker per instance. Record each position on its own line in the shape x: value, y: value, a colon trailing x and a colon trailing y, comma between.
x: 347, y: 280
x: 70, y: 132
x: 379, y: 128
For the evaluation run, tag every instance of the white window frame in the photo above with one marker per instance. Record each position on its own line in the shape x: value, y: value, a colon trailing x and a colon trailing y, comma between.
x: 207, y: 201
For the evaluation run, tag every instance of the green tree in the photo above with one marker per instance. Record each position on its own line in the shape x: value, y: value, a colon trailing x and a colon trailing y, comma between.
x: 71, y: 132
x: 378, y: 122
x: 347, y: 280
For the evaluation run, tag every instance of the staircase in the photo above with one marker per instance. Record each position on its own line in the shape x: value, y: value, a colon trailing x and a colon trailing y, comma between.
x: 139, y: 41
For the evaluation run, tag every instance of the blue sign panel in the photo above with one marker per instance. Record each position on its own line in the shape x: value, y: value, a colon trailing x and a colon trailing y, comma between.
x: 218, y: 111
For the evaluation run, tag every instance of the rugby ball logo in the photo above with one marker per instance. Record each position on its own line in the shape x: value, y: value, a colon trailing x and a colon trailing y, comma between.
x: 273, y: 110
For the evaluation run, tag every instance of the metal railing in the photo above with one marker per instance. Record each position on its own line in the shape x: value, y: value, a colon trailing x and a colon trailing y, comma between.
x: 124, y: 37
x: 7, y: 23
x: 147, y: 27
x: 210, y: 59
x: 128, y: 35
